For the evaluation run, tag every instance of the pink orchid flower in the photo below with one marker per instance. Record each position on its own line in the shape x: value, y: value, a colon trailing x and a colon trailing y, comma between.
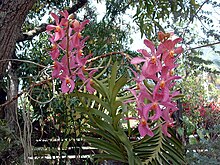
x: 68, y: 84
x: 153, y: 106
x: 54, y: 52
x: 71, y: 61
x: 77, y: 26
x: 169, y: 50
x: 144, y: 129
x: 164, y: 84
x: 165, y: 129
x: 59, y: 31
x: 57, y: 67
x: 152, y: 63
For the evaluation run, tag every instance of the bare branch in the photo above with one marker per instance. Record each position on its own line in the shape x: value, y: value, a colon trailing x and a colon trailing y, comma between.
x: 77, y: 6
x: 206, y: 1
x: 109, y: 54
x: 202, y: 46
x: 37, y: 30
x: 32, y: 33
x: 26, y: 61
x: 24, y: 91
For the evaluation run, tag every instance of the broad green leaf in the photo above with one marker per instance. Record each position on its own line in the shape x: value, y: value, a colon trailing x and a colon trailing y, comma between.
x: 103, y: 88
x: 101, y: 114
x: 118, y: 85
x: 103, y: 134
x: 105, y: 68
x: 116, y: 120
x: 112, y: 78
x: 94, y: 98
x: 114, y: 107
x: 102, y: 125
x: 105, y: 146
x: 102, y: 157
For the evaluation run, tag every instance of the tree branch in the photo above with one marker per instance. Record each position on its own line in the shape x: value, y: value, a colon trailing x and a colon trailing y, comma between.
x: 199, y: 9
x: 109, y: 54
x: 24, y: 91
x: 202, y: 46
x: 26, y: 61
x: 37, y: 30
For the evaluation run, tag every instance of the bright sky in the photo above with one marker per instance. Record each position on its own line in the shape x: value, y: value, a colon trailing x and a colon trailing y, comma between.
x: 136, y: 35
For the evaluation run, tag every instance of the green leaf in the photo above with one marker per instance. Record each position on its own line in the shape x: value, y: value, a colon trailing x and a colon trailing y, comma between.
x: 103, y: 134
x: 118, y: 85
x: 116, y: 120
x: 103, y: 88
x: 102, y: 157
x: 102, y: 125
x: 65, y: 144
x: 93, y: 97
x: 159, y: 149
x: 101, y: 114
x: 112, y: 78
x: 105, y: 68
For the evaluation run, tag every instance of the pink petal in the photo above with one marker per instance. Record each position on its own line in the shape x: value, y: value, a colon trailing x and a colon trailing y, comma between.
x: 144, y: 52
x: 144, y: 94
x: 55, y: 54
x: 175, y: 93
x: 173, y: 78
x: 150, y: 45
x: 75, y: 40
x: 161, y: 49
x: 153, y: 77
x: 63, y: 44
x: 72, y: 83
x: 85, y: 22
x: 89, y: 88
x: 169, y: 62
x: 164, y: 72
x: 134, y: 93
x: 64, y: 13
x: 166, y: 93
x: 157, y: 114
x: 64, y: 22
x: 151, y: 69
x: 165, y: 115
x: 177, y: 40
x: 144, y: 69
x: 55, y: 73
x: 145, y: 130
x: 146, y: 110
x: 178, y: 50
x: 57, y: 36
x: 164, y: 130
x: 56, y: 18
x: 168, y: 45
x: 156, y: 88
x: 50, y: 27
x: 64, y: 87
x: 137, y: 60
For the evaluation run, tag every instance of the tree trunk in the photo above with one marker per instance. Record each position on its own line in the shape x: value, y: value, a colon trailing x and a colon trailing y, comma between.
x: 12, y: 16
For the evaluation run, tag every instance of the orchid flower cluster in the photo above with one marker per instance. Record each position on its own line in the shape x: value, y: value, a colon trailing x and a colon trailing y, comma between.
x: 158, y: 66
x: 67, y: 52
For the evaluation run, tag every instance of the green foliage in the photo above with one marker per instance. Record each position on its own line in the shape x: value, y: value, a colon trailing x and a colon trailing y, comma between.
x: 204, y: 152
x: 9, y: 142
